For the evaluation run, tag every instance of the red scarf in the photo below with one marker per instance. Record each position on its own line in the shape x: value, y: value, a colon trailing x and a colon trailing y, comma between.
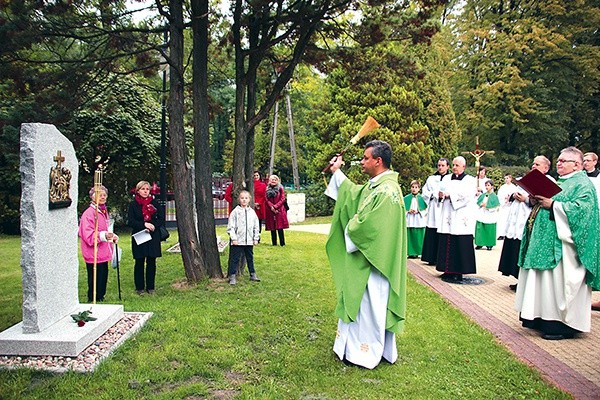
x: 147, y: 208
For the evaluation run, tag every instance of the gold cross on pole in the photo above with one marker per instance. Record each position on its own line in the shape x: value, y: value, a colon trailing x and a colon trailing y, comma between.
x: 58, y: 158
x: 478, y: 153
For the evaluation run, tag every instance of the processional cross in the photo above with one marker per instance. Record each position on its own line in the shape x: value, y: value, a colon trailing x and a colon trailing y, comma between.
x: 478, y: 153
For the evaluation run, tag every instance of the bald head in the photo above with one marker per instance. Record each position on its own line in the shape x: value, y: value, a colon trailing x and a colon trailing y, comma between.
x: 542, y: 164
x: 458, y: 165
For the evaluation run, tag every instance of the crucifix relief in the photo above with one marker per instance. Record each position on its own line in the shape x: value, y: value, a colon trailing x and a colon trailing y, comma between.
x: 478, y: 153
x: 60, y: 182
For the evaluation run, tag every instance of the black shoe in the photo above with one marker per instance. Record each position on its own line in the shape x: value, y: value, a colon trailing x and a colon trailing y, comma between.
x: 489, y: 247
x: 478, y: 247
x: 513, y: 287
x: 549, y: 336
x: 500, y: 237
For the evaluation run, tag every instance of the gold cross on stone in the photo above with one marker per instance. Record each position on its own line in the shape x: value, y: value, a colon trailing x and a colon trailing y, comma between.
x: 58, y: 158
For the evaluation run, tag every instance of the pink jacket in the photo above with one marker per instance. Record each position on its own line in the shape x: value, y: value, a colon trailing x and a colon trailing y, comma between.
x: 86, y: 233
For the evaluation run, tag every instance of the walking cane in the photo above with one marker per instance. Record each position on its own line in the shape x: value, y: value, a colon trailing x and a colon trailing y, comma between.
x: 118, y: 270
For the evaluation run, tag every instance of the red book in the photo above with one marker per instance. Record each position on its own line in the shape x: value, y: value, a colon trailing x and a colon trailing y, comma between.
x: 536, y: 183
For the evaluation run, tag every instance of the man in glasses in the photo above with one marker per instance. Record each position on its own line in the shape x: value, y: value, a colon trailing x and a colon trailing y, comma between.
x: 560, y: 255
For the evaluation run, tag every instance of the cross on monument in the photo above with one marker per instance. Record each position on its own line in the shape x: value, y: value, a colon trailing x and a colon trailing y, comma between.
x: 478, y: 153
x: 58, y: 158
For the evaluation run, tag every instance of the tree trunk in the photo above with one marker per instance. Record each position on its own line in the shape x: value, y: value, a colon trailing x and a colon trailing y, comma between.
x: 204, y: 202
x: 182, y: 175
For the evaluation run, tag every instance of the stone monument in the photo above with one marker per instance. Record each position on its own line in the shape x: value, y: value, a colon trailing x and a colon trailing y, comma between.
x: 49, y: 252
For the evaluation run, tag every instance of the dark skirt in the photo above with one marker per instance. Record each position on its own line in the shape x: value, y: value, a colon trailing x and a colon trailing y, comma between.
x: 430, y: 246
x: 510, y: 257
x: 456, y: 254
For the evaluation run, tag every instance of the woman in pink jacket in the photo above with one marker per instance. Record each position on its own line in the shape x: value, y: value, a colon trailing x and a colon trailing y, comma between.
x: 106, y: 238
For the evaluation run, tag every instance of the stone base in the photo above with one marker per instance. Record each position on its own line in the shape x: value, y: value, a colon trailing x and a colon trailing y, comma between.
x: 63, y: 338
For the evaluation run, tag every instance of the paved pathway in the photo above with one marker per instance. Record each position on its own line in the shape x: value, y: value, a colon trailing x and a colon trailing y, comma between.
x: 572, y: 365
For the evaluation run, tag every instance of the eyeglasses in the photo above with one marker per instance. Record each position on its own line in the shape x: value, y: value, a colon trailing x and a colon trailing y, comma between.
x: 561, y: 161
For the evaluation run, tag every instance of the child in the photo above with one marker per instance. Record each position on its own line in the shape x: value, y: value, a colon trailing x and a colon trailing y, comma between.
x: 243, y: 230
x: 416, y: 219
x: 485, y: 229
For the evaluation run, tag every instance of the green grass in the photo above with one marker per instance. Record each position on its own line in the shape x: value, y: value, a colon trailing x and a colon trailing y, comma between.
x: 270, y: 340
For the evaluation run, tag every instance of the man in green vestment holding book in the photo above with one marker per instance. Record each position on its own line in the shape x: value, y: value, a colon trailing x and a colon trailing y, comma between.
x: 367, y: 252
x: 560, y: 255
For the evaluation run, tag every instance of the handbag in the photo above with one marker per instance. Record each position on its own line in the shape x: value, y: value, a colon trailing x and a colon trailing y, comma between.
x: 285, y: 205
x: 164, y: 233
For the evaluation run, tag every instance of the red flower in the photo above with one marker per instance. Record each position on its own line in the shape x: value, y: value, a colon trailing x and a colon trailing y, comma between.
x: 80, y: 323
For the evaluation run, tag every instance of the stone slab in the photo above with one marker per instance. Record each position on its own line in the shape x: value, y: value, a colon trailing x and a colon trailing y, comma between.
x: 63, y: 338
x: 49, y: 244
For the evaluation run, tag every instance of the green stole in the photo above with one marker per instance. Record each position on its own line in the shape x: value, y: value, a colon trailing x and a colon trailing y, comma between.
x: 366, y: 211
x: 408, y: 200
x: 492, y: 202
x: 542, y: 249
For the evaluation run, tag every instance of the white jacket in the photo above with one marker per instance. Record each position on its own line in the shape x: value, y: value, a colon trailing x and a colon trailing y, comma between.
x: 243, y: 226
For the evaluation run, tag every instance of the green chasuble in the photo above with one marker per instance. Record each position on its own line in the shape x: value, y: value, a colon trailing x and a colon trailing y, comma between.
x: 420, y: 201
x: 541, y: 248
x: 492, y: 201
x: 375, y: 218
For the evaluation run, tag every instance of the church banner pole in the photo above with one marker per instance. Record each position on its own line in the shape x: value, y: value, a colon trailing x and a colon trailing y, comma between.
x: 97, y: 187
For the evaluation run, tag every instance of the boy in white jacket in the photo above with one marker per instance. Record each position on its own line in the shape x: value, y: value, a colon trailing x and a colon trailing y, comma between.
x: 243, y: 231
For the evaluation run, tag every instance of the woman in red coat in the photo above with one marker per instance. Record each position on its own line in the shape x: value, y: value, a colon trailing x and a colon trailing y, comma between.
x: 275, y: 212
x: 260, y: 197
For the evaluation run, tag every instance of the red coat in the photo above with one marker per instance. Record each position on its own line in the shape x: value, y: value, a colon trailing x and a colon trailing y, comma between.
x: 260, y: 197
x: 228, y: 197
x: 276, y: 219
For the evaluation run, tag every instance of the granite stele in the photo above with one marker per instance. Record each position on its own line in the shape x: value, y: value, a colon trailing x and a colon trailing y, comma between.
x: 49, y: 253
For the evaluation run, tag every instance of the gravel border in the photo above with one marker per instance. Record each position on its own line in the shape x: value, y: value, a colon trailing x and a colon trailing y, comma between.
x: 89, y: 358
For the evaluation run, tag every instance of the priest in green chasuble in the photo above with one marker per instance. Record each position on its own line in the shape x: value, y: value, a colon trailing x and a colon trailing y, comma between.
x: 560, y: 255
x: 366, y: 248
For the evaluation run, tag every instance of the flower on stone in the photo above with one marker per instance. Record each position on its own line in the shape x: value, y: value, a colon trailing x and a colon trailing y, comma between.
x: 83, y: 317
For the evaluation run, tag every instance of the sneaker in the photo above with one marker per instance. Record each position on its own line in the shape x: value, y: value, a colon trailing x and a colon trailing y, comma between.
x: 254, y: 278
x: 232, y: 280
x: 151, y: 291
x: 140, y: 292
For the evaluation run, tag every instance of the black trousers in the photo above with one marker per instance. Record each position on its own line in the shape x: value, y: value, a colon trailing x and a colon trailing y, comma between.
x: 236, y: 254
x: 101, y: 280
x: 144, y: 282
x: 281, y: 237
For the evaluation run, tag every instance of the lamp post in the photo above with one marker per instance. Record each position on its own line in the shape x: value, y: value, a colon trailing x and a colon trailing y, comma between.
x: 163, y: 133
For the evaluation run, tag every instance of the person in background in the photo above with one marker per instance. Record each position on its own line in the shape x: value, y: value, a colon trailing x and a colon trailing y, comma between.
x: 229, y: 197
x: 275, y: 213
x: 416, y: 215
x: 260, y: 198
x: 589, y: 165
x: 456, y: 255
x: 243, y: 231
x: 518, y: 213
x: 105, y: 240
x: 366, y: 248
x: 481, y: 180
x: 144, y: 213
x: 434, y: 184
x: 487, y: 216
x: 504, y: 193
x: 560, y: 255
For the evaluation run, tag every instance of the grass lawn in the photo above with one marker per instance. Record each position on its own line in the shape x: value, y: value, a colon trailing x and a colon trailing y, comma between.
x: 269, y: 340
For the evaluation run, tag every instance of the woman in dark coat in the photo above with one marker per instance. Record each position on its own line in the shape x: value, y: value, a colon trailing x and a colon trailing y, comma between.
x: 275, y: 213
x: 145, y: 214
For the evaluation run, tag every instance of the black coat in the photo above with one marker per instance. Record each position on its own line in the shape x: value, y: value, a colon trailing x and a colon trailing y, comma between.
x: 135, y: 219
